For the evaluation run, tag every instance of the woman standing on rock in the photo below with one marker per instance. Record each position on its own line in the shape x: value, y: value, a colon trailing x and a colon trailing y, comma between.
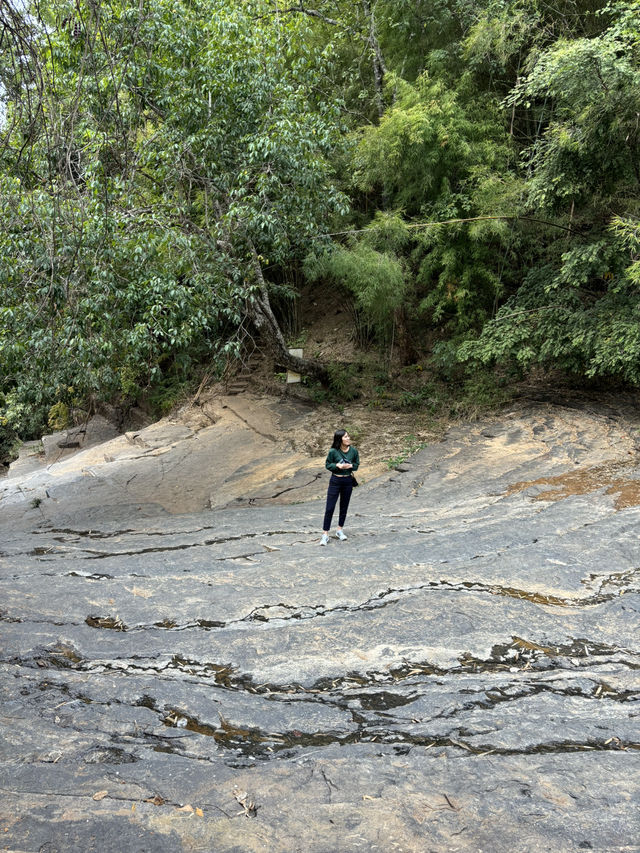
x: 342, y: 461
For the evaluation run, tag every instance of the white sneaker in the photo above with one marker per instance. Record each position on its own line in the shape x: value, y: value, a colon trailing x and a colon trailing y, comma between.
x: 340, y: 535
x: 324, y: 540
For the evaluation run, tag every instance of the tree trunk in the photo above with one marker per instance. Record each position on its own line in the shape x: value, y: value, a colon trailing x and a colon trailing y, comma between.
x: 262, y: 316
x: 379, y: 67
x: 406, y: 350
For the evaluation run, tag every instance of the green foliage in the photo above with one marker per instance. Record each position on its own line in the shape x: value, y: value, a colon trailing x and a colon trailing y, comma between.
x: 300, y: 339
x: 166, y: 394
x: 578, y: 306
x: 627, y: 232
x: 343, y: 383
x: 424, y: 398
x: 411, y: 445
x: 588, y: 154
x: 466, y: 395
x: 374, y: 279
x: 500, y: 34
x: 482, y: 391
x: 156, y: 158
x: 387, y: 232
x: 317, y: 393
x: 435, y: 158
x: 175, y: 146
x: 582, y: 317
x: 59, y: 416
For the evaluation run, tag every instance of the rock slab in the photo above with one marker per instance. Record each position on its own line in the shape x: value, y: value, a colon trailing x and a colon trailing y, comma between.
x: 462, y: 674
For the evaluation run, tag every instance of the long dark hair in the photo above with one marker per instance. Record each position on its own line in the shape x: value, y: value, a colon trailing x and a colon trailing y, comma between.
x: 337, y: 438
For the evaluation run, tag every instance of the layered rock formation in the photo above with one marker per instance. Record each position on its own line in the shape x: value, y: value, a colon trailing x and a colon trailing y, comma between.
x: 463, y: 673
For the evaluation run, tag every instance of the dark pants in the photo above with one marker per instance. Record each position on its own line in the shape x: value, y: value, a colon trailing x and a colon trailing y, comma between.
x: 338, y: 487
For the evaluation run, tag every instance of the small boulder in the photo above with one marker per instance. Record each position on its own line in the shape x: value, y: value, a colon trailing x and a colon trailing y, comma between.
x: 61, y: 444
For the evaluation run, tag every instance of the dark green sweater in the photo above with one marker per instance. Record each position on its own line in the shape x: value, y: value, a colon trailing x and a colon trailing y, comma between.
x: 334, y: 456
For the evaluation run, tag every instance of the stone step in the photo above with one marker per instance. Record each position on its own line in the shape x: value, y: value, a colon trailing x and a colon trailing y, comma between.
x: 238, y: 383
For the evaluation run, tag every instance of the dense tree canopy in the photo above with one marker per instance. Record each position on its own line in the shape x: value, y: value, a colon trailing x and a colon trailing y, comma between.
x: 165, y: 167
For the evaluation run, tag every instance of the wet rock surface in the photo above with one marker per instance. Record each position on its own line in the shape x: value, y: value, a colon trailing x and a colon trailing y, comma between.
x: 463, y: 673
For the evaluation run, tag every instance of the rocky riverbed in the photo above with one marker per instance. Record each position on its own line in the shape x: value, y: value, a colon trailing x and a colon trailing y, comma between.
x: 462, y: 674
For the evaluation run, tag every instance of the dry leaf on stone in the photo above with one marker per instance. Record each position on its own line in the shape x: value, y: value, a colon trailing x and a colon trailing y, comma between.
x: 460, y: 744
x: 156, y: 801
x: 99, y: 795
x: 249, y: 807
x: 188, y: 809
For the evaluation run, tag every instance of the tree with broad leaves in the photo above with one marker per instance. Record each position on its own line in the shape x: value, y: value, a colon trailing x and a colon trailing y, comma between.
x: 158, y: 159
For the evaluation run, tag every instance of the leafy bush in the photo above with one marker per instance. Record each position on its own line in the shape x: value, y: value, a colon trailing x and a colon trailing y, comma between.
x: 582, y: 316
x: 58, y: 416
x: 374, y: 279
x: 343, y: 382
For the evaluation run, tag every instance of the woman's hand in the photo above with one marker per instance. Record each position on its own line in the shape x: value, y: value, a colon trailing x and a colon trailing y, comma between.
x: 344, y: 465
